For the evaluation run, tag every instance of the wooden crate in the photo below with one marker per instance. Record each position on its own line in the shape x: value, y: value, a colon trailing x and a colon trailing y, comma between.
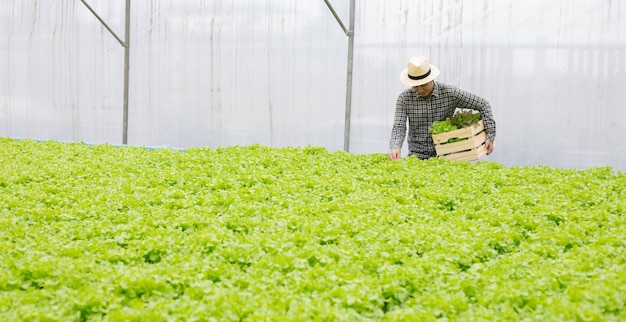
x: 467, y: 150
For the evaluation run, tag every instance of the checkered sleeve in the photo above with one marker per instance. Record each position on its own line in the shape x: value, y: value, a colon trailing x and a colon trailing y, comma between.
x: 398, y: 132
x: 466, y: 100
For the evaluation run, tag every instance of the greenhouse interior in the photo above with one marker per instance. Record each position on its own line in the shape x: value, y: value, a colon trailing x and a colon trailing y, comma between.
x: 225, y: 160
x: 222, y: 73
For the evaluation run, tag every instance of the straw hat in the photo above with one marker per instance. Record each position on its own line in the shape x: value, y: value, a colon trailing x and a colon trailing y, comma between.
x: 418, y: 72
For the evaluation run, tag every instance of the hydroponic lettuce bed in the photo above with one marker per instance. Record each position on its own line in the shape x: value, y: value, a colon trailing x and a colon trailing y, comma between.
x: 257, y: 233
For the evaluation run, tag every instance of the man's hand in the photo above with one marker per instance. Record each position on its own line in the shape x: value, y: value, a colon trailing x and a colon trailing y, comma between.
x: 395, y: 154
x: 488, y: 147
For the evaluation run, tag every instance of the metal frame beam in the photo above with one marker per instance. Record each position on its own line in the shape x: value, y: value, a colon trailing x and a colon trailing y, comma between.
x: 350, y: 34
x: 126, y: 45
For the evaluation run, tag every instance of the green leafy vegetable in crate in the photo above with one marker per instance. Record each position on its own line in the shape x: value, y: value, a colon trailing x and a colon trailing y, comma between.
x: 442, y: 126
x: 465, y: 119
x: 458, y: 121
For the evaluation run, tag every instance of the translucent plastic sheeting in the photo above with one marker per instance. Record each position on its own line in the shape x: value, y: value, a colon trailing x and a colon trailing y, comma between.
x: 220, y: 73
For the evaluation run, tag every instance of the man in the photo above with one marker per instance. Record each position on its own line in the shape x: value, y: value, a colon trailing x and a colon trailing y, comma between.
x: 427, y: 101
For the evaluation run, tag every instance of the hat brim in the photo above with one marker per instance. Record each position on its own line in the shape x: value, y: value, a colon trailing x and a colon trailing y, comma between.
x: 404, y: 77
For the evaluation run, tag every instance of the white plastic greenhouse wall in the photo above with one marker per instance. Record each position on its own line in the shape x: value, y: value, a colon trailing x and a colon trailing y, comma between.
x: 239, y: 72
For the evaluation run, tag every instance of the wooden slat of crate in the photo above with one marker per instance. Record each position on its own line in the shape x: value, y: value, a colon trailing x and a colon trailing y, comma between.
x: 467, y: 155
x: 469, y: 144
x: 460, y: 133
x: 470, y: 149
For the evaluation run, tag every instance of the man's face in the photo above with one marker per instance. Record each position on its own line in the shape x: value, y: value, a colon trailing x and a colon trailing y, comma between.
x: 426, y: 89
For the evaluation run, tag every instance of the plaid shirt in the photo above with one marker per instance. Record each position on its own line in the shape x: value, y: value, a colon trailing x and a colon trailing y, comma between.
x: 422, y: 112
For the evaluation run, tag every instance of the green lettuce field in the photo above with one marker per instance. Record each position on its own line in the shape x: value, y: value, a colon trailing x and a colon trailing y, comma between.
x: 105, y: 233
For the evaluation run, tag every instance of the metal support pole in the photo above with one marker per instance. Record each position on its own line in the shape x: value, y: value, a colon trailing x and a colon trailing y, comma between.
x: 350, y: 34
x: 126, y: 73
x: 126, y: 45
x: 346, y: 139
